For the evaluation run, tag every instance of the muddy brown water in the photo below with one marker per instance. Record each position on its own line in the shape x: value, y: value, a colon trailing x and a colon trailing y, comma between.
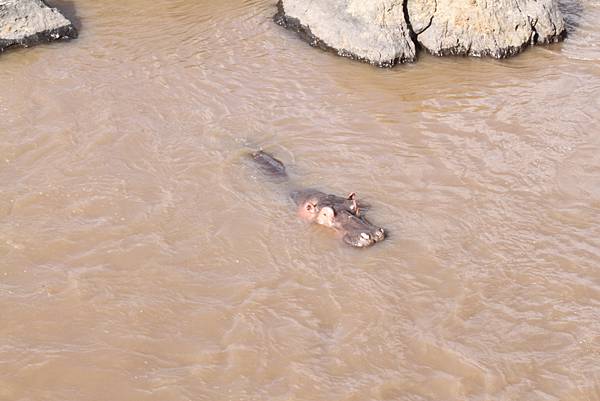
x: 142, y: 257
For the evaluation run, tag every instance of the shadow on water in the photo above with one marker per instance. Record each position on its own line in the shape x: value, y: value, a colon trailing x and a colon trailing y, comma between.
x: 573, y: 12
x: 67, y: 7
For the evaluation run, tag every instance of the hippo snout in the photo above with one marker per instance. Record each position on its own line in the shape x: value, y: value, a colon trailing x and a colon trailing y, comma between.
x: 364, y: 238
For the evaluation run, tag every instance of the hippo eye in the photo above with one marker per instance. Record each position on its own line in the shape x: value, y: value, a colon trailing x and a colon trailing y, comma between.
x: 309, y: 207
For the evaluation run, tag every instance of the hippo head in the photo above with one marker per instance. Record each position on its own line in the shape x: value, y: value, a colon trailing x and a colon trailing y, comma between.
x: 341, y: 214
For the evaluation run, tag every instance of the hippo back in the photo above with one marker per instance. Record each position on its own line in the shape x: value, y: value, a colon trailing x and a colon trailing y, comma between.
x: 268, y: 164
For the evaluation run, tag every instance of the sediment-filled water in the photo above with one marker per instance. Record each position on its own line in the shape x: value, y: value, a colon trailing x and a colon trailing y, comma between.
x: 143, y: 256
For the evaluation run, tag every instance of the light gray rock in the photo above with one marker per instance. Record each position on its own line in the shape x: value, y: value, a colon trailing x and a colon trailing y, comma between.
x: 496, y: 28
x: 27, y: 22
x: 372, y: 31
x: 384, y: 32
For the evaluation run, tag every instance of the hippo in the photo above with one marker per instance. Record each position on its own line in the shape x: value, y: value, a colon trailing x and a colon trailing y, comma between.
x: 345, y: 215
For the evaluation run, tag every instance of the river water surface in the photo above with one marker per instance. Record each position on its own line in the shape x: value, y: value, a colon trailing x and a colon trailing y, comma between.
x: 142, y: 256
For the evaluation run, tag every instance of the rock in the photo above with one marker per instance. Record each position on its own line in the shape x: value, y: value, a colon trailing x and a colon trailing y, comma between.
x: 27, y: 22
x: 372, y: 31
x: 499, y: 28
x: 385, y: 32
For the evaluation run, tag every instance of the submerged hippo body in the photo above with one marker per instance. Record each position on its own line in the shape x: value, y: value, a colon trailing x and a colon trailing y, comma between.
x: 336, y: 212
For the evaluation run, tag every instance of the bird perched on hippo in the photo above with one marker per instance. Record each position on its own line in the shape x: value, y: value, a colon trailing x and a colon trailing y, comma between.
x: 343, y: 214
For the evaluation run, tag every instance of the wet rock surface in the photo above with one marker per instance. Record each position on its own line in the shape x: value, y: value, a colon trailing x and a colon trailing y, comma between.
x: 498, y: 29
x: 27, y: 22
x: 372, y: 31
x: 386, y: 32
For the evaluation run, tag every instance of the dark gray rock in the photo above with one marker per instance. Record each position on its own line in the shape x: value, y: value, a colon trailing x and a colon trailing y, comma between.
x: 385, y: 32
x: 27, y: 22
x: 372, y: 31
